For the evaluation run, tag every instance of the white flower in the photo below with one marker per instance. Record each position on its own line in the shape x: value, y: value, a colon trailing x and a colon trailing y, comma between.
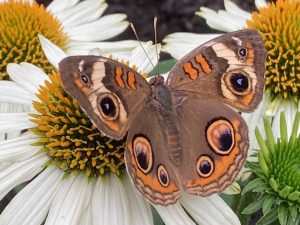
x: 75, y: 199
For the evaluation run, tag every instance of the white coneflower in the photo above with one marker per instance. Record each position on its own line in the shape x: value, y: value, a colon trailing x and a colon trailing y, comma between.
x: 77, y: 175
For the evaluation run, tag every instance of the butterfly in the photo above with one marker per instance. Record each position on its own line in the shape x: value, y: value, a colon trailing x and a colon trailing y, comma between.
x: 182, y: 133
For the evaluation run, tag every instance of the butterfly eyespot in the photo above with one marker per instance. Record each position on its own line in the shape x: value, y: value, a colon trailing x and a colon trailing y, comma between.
x: 85, y: 79
x: 220, y: 136
x: 108, y: 105
x: 242, y: 52
x: 143, y: 154
x: 163, y: 176
x: 239, y: 82
x: 205, y: 166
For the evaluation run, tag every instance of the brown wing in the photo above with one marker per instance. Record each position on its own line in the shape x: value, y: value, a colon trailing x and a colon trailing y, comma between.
x: 148, y: 157
x: 214, y: 140
x: 229, y: 68
x: 109, y: 91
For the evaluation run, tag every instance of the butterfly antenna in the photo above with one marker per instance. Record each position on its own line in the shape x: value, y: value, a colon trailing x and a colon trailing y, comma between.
x: 155, y: 42
x: 134, y: 31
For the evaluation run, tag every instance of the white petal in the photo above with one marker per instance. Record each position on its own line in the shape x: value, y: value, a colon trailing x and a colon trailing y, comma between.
x: 86, y: 217
x: 179, y: 44
x: 60, y: 5
x: 70, y: 201
x: 84, y: 12
x: 253, y: 120
x: 25, y: 76
x: 18, y: 149
x: 173, y: 215
x: 11, y: 92
x: 209, y: 210
x: 106, y: 27
x: 232, y: 189
x: 109, y: 200
x: 20, y: 172
x: 140, y: 211
x: 234, y: 9
x: 53, y: 53
x: 31, y: 204
x: 139, y: 58
x: 10, y: 122
x: 289, y: 108
x: 106, y: 48
x: 220, y: 22
x: 260, y: 3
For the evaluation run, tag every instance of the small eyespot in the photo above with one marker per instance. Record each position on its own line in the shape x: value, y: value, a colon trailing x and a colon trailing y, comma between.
x: 239, y: 82
x: 85, y: 79
x: 242, y: 52
x: 220, y: 136
x: 205, y: 166
x: 108, y: 106
x: 163, y: 176
x: 143, y: 154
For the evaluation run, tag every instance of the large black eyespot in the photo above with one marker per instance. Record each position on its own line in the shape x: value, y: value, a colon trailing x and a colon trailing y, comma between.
x: 163, y: 176
x: 205, y: 166
x: 220, y: 136
x: 143, y: 154
x: 239, y: 82
x: 108, y: 105
x: 243, y: 52
x: 85, y: 79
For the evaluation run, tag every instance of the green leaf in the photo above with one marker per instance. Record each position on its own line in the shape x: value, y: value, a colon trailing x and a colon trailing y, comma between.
x: 262, y: 188
x: 252, y: 184
x: 263, y: 147
x: 253, y: 207
x: 268, y: 202
x: 283, y: 214
x: 295, y: 126
x: 263, y: 164
x: 285, y: 191
x: 283, y: 129
x: 294, y: 211
x: 269, y: 134
x: 268, y: 218
x: 293, y: 221
x: 164, y: 66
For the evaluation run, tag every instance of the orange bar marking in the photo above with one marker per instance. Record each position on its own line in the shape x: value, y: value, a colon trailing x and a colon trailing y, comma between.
x: 190, y: 70
x: 131, y: 80
x: 203, y: 63
x: 118, y: 77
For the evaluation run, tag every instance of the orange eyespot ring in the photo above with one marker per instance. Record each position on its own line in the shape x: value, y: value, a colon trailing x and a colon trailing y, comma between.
x: 163, y: 176
x: 205, y: 166
x: 142, y: 151
x: 238, y: 82
x: 220, y: 136
x: 108, y: 106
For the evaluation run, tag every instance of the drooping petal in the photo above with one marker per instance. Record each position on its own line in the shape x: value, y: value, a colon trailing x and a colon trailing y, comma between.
x: 20, y: 172
x: 31, y: 205
x: 10, y: 122
x: 179, y: 44
x: 173, y: 215
x: 11, y: 92
x: 234, y: 9
x: 260, y: 3
x: 26, y: 76
x: 120, y: 49
x: 19, y: 148
x: 105, y: 207
x: 70, y: 201
x: 209, y: 210
x: 61, y: 5
x: 84, y: 12
x: 140, y: 211
x: 53, y: 53
x: 106, y: 27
